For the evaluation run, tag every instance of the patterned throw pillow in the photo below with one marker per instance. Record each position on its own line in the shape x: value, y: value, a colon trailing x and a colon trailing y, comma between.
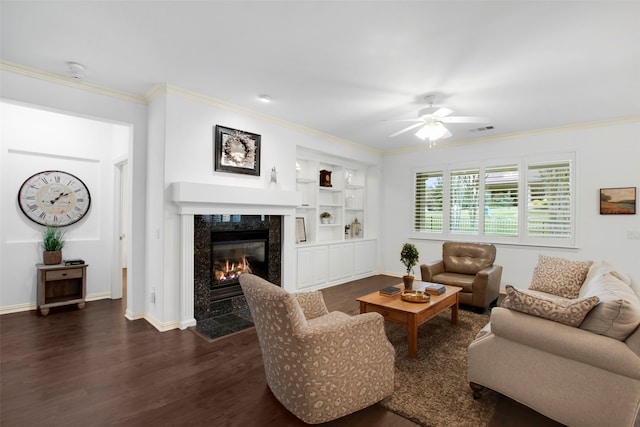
x: 558, y: 276
x: 567, y: 311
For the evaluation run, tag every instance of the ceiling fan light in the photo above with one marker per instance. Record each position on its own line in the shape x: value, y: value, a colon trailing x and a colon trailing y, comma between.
x: 432, y: 131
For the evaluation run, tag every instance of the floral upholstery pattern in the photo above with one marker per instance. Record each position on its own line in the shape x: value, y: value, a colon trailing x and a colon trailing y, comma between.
x: 319, y: 365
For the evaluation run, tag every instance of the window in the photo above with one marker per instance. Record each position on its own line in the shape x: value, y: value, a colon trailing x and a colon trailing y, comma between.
x: 549, y: 200
x: 464, y: 206
x: 525, y: 201
x: 501, y: 201
x: 428, y: 197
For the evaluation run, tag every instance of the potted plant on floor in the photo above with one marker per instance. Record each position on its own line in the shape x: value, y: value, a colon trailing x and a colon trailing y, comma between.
x: 409, y: 257
x: 53, y: 242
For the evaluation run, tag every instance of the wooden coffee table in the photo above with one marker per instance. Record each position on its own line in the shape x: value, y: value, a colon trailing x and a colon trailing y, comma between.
x: 396, y: 310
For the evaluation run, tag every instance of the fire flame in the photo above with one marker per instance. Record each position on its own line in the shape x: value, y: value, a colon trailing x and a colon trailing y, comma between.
x: 232, y: 270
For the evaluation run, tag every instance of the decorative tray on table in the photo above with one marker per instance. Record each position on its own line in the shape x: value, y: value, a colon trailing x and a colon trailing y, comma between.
x: 415, y: 296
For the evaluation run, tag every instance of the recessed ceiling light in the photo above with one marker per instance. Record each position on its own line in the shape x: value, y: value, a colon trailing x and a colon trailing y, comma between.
x: 265, y: 98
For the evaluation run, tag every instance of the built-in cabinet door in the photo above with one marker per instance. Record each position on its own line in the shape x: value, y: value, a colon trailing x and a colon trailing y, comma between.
x: 335, y: 263
x: 364, y: 257
x: 340, y: 261
x: 312, y: 266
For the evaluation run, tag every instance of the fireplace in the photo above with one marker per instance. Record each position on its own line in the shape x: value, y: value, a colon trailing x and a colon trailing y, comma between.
x: 199, y: 205
x: 236, y: 252
x: 226, y: 246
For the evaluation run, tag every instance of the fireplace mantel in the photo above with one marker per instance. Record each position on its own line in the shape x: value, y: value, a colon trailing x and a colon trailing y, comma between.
x: 210, y: 199
x: 205, y: 199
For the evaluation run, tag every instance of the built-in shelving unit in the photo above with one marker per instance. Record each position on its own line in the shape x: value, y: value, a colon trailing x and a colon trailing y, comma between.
x: 330, y: 252
x: 344, y: 200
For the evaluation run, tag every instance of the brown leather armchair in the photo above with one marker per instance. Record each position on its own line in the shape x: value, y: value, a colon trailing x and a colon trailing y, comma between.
x: 469, y: 266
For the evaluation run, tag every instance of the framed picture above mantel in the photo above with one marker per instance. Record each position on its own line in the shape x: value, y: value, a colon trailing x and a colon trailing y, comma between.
x: 236, y: 151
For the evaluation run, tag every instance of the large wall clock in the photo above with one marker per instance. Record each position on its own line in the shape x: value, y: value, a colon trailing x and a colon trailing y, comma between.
x: 54, y: 198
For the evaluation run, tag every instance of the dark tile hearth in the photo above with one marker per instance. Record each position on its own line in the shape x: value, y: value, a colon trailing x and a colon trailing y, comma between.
x: 228, y: 316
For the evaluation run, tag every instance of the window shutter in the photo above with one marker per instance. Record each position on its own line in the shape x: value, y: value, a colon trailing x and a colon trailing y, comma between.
x: 549, y: 200
x: 464, y: 192
x: 501, y: 200
x: 428, y: 202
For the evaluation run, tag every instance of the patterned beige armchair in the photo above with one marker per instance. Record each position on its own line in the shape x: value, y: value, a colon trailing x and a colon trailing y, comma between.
x: 319, y: 365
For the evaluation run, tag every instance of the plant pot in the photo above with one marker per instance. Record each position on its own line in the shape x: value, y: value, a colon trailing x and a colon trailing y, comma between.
x: 52, y: 257
x: 408, y: 282
x: 325, y: 220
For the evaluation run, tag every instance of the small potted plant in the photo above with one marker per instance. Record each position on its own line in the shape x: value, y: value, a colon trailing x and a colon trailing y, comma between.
x: 53, y: 242
x: 325, y: 217
x: 409, y: 257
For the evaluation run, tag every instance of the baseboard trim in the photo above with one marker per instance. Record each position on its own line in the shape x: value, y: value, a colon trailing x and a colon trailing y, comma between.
x: 161, y: 326
x: 17, y: 308
x: 98, y: 296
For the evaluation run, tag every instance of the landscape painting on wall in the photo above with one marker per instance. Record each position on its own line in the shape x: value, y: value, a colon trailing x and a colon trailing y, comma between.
x: 618, y: 201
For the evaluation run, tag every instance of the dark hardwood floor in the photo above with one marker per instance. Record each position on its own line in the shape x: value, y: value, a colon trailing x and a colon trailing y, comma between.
x: 93, y: 367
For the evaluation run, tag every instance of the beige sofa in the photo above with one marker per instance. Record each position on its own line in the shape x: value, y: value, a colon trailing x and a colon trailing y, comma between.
x: 579, y: 376
x: 320, y: 365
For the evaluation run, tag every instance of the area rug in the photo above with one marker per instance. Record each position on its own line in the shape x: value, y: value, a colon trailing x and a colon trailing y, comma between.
x: 432, y: 389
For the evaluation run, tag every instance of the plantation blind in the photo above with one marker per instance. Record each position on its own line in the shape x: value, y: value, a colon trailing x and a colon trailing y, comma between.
x: 428, y: 202
x: 501, y: 200
x: 549, y: 206
x: 464, y: 189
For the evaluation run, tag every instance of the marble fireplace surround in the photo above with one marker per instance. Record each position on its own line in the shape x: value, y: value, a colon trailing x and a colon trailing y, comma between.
x: 210, y: 199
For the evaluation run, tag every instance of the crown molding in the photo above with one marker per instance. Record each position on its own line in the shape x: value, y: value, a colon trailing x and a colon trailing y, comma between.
x: 533, y: 132
x: 70, y: 82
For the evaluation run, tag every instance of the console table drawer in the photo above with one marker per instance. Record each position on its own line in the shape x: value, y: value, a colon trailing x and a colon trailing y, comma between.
x: 64, y: 274
x: 61, y: 285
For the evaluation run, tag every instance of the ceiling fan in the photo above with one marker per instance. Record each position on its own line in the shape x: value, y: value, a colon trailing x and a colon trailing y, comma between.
x: 431, y: 123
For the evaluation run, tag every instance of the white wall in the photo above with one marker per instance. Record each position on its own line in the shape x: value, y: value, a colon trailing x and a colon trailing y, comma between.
x: 607, y: 156
x: 35, y: 140
x: 66, y: 96
x: 184, y: 145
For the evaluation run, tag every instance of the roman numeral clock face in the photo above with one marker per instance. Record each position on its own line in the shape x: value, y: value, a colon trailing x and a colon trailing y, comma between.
x: 54, y: 198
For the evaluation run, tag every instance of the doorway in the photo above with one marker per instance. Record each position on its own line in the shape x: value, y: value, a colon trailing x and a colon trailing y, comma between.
x: 121, y: 193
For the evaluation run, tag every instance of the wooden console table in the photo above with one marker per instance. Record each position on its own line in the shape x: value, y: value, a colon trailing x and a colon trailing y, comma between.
x: 61, y: 285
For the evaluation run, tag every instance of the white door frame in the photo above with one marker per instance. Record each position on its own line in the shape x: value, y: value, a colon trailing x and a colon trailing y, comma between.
x: 116, y: 276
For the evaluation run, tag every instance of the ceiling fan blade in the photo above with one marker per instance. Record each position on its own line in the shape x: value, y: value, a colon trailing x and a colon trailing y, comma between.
x: 446, y: 135
x: 405, y: 120
x: 407, y: 129
x: 442, y: 112
x: 463, y: 119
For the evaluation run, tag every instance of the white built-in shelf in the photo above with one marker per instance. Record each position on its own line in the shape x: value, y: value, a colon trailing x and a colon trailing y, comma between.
x: 305, y: 180
x: 344, y: 200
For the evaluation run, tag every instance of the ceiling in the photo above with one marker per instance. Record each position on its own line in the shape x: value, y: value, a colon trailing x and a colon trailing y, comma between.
x: 349, y: 68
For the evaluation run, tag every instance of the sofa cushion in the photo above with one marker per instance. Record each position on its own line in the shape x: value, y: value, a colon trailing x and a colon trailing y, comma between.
x: 618, y: 313
x: 597, y: 269
x: 566, y: 311
x: 559, y: 276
